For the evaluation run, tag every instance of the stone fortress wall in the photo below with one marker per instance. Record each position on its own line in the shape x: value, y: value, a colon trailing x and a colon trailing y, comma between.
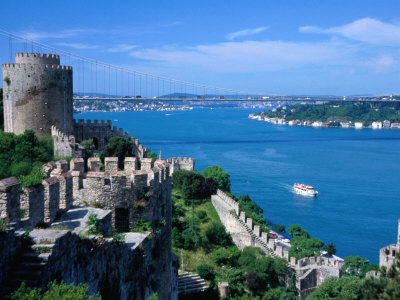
x: 310, y: 272
x: 387, y: 255
x: 37, y: 93
x: 186, y: 163
x: 130, y: 197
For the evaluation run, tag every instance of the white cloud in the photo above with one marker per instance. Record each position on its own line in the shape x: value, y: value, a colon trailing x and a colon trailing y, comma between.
x: 121, y: 48
x: 245, y: 32
x: 172, y: 24
x: 383, y: 64
x: 40, y: 35
x: 364, y: 30
x: 78, y: 46
x: 250, y: 56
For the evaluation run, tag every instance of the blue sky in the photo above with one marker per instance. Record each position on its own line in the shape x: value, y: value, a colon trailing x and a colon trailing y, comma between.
x: 275, y: 47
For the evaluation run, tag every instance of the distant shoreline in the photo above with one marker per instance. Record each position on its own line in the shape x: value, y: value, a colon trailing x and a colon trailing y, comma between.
x: 318, y: 124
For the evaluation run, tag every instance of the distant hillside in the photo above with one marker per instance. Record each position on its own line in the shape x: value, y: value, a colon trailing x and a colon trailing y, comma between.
x: 337, y: 112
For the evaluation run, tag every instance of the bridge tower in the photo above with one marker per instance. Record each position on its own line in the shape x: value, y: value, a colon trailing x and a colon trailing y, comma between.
x: 37, y: 93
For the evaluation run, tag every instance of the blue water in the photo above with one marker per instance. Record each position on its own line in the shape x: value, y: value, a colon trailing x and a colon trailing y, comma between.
x: 357, y: 172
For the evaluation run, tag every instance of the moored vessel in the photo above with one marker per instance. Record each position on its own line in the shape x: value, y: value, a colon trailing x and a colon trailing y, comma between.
x: 306, y: 190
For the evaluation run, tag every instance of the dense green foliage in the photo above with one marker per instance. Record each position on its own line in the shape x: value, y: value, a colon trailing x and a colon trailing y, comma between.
x: 60, y: 291
x: 150, y: 154
x: 221, y: 177
x: 209, y: 250
x: 357, y: 266
x: 193, y: 185
x: 89, y: 147
x: 353, y: 285
x: 253, y: 210
x: 23, y: 155
x: 302, y: 245
x: 117, y: 147
x: 280, y: 228
x: 365, y: 112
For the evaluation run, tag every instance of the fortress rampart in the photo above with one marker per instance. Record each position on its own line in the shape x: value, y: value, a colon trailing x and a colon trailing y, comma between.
x: 186, y: 163
x: 134, y: 195
x: 387, y: 255
x: 310, y: 271
x: 130, y: 198
x: 37, y: 93
x: 37, y: 58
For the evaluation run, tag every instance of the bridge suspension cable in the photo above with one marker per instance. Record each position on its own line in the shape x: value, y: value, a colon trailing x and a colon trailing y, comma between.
x: 89, y: 70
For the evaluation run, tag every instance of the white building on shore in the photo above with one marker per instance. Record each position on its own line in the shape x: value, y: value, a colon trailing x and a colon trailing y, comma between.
x: 358, y: 125
x: 376, y: 125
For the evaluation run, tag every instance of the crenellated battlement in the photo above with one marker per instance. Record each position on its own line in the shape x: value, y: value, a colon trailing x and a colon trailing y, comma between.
x: 37, y: 58
x: 315, y: 261
x: 68, y: 181
x: 186, y: 163
x: 43, y: 66
x: 101, y: 123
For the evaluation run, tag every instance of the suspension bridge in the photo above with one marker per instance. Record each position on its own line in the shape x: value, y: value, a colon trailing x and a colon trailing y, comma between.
x: 97, y: 80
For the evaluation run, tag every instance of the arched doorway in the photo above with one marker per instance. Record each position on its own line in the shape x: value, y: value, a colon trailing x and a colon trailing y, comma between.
x: 122, y: 219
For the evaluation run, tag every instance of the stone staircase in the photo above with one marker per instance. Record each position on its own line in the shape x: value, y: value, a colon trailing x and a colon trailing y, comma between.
x: 191, y: 283
x: 251, y: 232
x: 32, y: 263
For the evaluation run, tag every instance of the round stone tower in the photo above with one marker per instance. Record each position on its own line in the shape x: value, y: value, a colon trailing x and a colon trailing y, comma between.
x: 37, y: 93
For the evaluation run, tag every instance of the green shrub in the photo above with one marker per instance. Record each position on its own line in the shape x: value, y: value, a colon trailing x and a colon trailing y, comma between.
x: 296, y: 231
x: 89, y: 147
x: 117, y: 147
x: 154, y: 296
x: 221, y: 177
x: 22, y: 168
x: 280, y: 228
x: 118, y: 237
x: 3, y: 225
x: 202, y: 215
x: 93, y: 223
x: 226, y: 256
x: 59, y: 291
x: 205, y: 271
x: 217, y: 235
x: 35, y: 177
x: 142, y: 227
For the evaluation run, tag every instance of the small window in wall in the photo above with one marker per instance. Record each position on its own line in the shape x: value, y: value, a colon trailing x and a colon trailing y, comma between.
x: 122, y: 219
x: 393, y: 253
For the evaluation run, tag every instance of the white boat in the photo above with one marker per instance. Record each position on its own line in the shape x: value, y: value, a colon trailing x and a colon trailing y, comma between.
x: 306, y: 190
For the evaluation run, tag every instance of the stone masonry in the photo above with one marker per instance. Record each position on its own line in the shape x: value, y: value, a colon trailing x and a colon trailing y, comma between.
x: 37, y: 94
x: 310, y: 272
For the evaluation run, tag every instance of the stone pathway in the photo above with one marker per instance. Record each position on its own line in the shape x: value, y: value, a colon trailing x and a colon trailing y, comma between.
x: 32, y: 263
x: 191, y: 283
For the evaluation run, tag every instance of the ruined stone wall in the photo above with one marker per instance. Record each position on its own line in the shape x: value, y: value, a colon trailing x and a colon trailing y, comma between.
x: 134, y: 196
x: 387, y: 255
x: 310, y: 271
x: 65, y: 145
x: 37, y: 93
x: 176, y: 164
x: 242, y: 230
x: 42, y: 203
x: 116, y: 271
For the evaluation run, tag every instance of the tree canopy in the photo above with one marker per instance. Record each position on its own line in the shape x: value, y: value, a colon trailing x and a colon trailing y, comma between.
x: 221, y: 177
x: 117, y: 147
x: 23, y: 155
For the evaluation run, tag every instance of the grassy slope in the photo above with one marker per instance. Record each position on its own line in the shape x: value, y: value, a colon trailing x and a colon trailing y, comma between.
x: 193, y: 258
